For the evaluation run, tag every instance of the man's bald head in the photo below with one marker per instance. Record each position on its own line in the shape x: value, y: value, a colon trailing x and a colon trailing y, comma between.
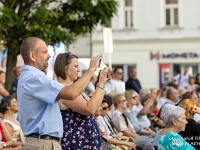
x: 29, y: 45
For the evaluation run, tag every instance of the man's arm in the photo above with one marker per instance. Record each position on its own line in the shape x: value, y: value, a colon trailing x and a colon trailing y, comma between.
x: 75, y: 89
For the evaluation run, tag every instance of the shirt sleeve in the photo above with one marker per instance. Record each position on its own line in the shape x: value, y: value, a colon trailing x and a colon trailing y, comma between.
x: 101, y: 127
x: 177, y: 78
x: 196, y: 117
x: 44, y: 88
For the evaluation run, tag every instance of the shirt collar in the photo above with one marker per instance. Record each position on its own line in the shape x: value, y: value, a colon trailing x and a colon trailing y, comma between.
x: 28, y: 67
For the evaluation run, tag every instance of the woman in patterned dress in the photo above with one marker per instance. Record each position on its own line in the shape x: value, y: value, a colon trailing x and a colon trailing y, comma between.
x: 80, y: 129
x: 174, y: 121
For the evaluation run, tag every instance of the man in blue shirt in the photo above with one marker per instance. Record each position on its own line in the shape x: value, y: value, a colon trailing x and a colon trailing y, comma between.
x: 38, y: 95
x: 133, y: 82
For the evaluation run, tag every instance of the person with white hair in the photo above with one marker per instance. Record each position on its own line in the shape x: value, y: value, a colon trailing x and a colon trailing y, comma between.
x: 174, y: 121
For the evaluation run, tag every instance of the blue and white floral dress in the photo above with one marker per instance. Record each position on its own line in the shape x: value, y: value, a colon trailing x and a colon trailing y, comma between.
x: 80, y: 132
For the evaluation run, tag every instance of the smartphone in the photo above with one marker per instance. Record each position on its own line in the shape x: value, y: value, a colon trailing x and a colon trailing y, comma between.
x: 99, y: 62
x: 108, y: 74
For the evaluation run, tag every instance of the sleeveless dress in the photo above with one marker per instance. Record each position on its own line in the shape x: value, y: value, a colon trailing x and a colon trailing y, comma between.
x: 16, y: 130
x: 80, y: 132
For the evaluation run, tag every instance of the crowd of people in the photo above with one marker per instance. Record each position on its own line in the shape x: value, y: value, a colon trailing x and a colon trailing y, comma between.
x: 94, y: 113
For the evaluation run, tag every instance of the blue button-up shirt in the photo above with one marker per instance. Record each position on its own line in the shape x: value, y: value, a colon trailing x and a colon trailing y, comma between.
x: 38, y: 103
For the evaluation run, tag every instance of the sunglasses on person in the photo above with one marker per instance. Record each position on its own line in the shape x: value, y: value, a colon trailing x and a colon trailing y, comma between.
x: 69, y: 54
x: 135, y: 97
x: 119, y: 72
x: 105, y: 108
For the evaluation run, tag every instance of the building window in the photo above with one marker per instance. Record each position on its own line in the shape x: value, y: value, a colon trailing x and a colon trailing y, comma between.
x: 128, y: 11
x: 171, y: 11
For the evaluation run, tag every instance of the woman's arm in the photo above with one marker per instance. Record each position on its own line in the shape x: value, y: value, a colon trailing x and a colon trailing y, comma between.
x: 3, y: 91
x: 10, y: 131
x: 71, y: 92
x: 88, y: 107
x: 8, y: 139
x: 9, y: 128
x: 82, y: 106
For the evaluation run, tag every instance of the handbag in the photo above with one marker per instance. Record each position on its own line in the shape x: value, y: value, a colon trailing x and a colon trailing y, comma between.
x: 21, y: 134
x: 123, y: 147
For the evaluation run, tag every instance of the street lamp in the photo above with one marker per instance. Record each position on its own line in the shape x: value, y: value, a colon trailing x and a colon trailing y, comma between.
x: 108, y: 44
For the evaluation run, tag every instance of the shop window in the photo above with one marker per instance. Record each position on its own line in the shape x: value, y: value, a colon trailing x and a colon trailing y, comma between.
x: 128, y: 11
x: 171, y: 11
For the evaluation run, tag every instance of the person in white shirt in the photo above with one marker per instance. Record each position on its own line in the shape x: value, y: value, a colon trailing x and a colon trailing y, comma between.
x: 107, y: 130
x: 182, y: 79
x: 162, y: 98
x: 124, y: 125
x: 117, y: 85
x: 172, y: 99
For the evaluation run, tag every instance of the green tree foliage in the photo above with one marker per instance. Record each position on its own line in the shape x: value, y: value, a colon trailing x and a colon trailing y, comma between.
x: 52, y: 20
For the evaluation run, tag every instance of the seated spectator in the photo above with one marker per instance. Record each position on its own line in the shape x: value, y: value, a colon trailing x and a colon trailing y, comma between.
x: 142, y: 111
x: 156, y: 122
x: 192, y: 96
x: 153, y: 91
x: 103, y: 140
x: 163, y: 97
x: 123, y: 124
x: 174, y: 121
x: 172, y: 99
x: 196, y: 115
x: 6, y: 140
x: 111, y: 136
x: 197, y: 81
x: 9, y: 107
x: 156, y: 92
x: 191, y: 86
x: 143, y: 92
x: 192, y: 129
x: 111, y: 107
x: 181, y: 92
x: 132, y: 99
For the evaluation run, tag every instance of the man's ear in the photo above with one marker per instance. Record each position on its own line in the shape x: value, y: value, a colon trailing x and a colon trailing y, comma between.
x: 32, y: 56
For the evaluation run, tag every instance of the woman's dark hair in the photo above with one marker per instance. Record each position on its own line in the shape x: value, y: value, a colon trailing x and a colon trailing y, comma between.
x: 108, y: 99
x: 187, y: 95
x: 1, y: 72
x: 62, y: 60
x: 5, y: 102
x: 196, y: 79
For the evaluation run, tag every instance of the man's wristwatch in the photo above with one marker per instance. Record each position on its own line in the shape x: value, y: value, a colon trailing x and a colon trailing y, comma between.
x: 4, y: 145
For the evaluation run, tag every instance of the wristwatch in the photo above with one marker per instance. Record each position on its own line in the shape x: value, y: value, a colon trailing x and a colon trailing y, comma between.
x: 4, y: 145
